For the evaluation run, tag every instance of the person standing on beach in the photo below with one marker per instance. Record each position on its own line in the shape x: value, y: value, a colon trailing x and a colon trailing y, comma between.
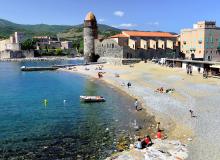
x: 136, y: 104
x: 129, y: 84
x: 158, y: 126
x: 187, y: 68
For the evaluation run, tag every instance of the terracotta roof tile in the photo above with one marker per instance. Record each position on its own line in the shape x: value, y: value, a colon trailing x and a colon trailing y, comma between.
x: 119, y: 36
x: 148, y: 34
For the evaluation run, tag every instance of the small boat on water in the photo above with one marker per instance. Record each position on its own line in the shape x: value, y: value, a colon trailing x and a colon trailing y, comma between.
x: 92, y: 99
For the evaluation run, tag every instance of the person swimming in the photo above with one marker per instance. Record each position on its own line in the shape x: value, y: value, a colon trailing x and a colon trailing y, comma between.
x: 45, y: 102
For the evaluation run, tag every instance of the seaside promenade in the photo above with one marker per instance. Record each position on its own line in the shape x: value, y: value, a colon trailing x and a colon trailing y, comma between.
x: 172, y: 109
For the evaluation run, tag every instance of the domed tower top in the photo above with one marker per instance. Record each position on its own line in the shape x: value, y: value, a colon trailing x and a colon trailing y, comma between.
x: 90, y: 21
x: 90, y: 17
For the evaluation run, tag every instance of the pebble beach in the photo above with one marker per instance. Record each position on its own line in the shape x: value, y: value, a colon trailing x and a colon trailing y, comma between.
x: 199, y: 134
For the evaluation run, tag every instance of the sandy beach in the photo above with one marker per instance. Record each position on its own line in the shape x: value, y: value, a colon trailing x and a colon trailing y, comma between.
x: 172, y: 109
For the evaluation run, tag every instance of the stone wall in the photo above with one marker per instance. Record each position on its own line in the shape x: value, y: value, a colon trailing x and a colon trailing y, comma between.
x: 8, y: 54
x: 108, y: 48
x: 28, y: 54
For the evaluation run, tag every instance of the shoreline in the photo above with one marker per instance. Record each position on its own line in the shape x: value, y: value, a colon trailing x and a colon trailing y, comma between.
x: 171, y: 127
x: 41, y: 59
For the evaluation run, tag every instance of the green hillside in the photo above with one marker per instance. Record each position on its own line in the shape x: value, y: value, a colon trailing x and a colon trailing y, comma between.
x: 7, y: 28
x: 76, y: 32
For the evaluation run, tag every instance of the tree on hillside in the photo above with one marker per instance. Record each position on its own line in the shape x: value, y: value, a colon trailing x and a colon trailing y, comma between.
x: 58, y: 52
x: 28, y: 44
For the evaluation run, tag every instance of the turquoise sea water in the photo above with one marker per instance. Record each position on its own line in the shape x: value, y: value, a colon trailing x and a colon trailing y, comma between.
x: 71, y: 130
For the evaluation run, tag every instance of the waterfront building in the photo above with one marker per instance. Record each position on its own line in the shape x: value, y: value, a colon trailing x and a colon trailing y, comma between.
x: 138, y: 45
x: 18, y: 37
x: 11, y: 47
x: 66, y: 45
x: 47, y: 42
x: 12, y: 43
x: 202, y: 42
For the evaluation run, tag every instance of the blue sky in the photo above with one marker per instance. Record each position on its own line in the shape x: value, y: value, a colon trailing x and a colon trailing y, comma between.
x: 164, y: 15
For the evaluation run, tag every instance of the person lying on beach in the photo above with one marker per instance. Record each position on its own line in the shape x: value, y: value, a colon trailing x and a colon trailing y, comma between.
x: 117, y: 75
x: 160, y: 90
x: 170, y: 90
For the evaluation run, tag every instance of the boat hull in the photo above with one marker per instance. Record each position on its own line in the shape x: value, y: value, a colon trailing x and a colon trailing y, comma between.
x: 92, y: 99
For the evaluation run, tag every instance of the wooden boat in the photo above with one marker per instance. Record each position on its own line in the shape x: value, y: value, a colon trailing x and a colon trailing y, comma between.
x: 92, y: 99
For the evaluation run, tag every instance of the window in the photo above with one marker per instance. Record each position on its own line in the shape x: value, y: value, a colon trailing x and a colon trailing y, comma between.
x: 113, y: 45
x: 211, y: 51
x: 133, y: 45
x: 162, y: 45
x: 207, y: 40
x: 211, y: 39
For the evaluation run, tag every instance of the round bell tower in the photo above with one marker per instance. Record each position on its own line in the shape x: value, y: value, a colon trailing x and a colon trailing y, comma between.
x: 90, y: 33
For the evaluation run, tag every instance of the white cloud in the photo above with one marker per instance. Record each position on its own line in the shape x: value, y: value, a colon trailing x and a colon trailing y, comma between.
x: 119, y: 13
x: 125, y: 25
x: 101, y: 20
